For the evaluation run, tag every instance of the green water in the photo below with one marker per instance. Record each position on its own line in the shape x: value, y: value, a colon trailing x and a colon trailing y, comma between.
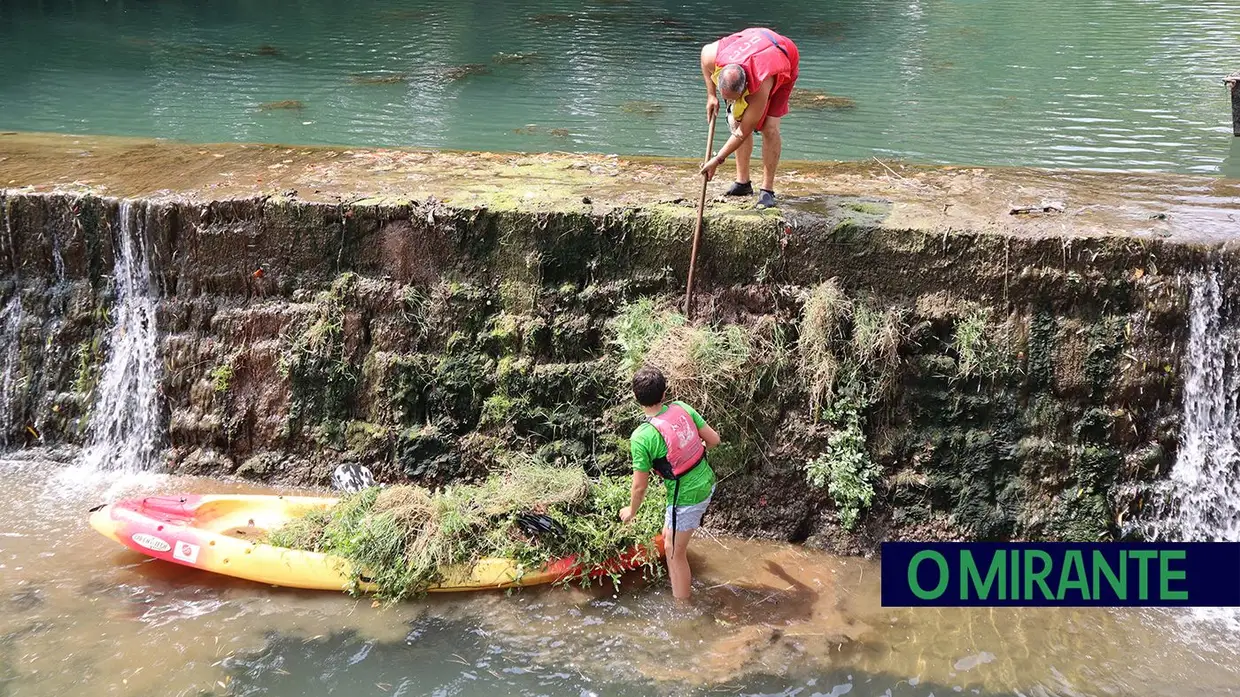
x: 1103, y: 84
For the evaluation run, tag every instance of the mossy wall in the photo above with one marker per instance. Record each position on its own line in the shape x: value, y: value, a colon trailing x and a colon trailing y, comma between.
x: 1033, y: 381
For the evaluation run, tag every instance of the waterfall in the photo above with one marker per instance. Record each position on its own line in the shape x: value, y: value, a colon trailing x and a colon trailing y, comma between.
x: 58, y: 259
x: 11, y: 317
x: 124, y: 422
x: 1200, y: 501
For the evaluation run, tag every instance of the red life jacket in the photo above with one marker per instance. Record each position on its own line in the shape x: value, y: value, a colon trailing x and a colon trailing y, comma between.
x: 684, y: 446
x: 760, y: 52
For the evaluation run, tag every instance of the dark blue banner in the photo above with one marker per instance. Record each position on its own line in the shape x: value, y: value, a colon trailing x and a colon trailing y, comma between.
x: 946, y: 574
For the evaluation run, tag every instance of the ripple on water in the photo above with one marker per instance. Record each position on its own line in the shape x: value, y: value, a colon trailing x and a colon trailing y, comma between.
x: 769, y: 619
x: 923, y: 76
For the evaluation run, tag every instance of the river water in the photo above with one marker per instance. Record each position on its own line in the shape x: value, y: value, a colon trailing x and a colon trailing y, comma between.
x: 1104, y: 84
x: 83, y: 615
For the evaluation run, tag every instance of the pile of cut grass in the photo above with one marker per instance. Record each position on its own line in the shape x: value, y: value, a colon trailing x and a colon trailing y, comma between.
x: 402, y: 538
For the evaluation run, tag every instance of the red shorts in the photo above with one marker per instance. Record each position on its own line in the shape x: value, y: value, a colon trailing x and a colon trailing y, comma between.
x: 777, y: 103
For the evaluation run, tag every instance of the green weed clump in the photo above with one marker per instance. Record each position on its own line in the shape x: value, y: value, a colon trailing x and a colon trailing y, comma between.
x: 822, y: 335
x: 403, y: 538
x: 636, y: 328
x: 850, y: 362
x: 845, y: 467
x: 723, y: 370
x: 977, y: 354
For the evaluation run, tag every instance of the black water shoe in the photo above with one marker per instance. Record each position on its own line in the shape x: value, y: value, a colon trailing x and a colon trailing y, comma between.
x: 766, y: 199
x: 739, y: 189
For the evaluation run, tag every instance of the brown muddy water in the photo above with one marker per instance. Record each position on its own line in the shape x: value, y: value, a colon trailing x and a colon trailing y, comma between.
x: 82, y: 615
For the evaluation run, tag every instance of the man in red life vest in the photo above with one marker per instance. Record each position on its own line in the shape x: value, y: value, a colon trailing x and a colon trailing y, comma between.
x: 754, y: 71
x: 672, y: 441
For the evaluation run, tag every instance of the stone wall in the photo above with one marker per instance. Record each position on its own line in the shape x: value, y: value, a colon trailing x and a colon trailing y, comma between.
x: 871, y: 382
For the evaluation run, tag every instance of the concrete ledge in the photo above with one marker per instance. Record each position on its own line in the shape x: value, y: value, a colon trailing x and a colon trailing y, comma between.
x: 929, y: 199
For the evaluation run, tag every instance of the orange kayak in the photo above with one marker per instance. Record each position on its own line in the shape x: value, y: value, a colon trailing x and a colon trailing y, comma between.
x: 220, y: 533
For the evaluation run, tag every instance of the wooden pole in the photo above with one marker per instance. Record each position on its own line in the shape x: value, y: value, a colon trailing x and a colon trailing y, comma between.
x: 1233, y: 83
x: 697, y: 229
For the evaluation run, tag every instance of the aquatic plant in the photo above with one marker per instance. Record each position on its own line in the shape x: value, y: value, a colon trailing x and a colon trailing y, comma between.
x: 876, y: 339
x: 502, y: 58
x: 534, y: 129
x: 89, y: 357
x: 403, y: 538
x: 636, y: 327
x: 810, y: 99
x: 291, y: 104
x: 642, y: 107
x: 378, y: 78
x: 549, y: 18
x: 701, y: 362
x: 460, y: 72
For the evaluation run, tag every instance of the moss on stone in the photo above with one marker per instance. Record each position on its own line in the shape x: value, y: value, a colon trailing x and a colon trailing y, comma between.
x: 89, y: 362
x: 1078, y: 515
x: 1094, y: 426
x: 367, y: 441
x: 1106, y: 343
x: 518, y: 297
x: 869, y: 208
x: 424, y: 453
x: 322, y: 372
x: 1095, y: 467
x: 1041, y: 357
x: 502, y: 335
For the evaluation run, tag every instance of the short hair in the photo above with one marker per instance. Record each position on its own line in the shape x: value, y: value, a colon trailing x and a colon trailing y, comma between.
x: 732, y: 78
x: 649, y: 386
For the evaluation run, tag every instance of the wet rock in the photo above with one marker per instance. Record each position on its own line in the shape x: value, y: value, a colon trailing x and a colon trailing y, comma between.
x: 206, y: 463
x: 261, y: 466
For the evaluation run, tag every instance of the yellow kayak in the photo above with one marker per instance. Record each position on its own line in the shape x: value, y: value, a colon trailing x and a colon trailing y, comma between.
x: 219, y: 533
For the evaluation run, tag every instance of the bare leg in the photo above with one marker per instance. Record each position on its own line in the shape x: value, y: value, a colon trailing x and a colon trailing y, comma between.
x: 743, y: 155
x: 772, y: 146
x: 678, y: 563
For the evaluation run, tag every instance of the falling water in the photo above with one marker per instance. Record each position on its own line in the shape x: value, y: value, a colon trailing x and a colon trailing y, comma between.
x: 124, y: 421
x: 12, y: 322
x: 58, y: 260
x: 1201, y: 499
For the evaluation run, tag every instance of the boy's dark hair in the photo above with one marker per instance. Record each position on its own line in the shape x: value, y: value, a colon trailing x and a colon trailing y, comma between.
x: 649, y: 386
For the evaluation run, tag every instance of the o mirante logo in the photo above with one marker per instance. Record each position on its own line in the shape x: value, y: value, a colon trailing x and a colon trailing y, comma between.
x: 1065, y: 574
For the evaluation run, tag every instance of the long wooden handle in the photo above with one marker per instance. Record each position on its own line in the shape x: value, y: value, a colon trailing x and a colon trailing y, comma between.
x: 697, y: 230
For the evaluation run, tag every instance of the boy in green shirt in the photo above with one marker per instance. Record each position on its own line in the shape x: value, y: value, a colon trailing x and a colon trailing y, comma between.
x: 672, y: 441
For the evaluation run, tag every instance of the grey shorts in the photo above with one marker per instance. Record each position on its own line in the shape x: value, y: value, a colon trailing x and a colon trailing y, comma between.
x: 688, y: 517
